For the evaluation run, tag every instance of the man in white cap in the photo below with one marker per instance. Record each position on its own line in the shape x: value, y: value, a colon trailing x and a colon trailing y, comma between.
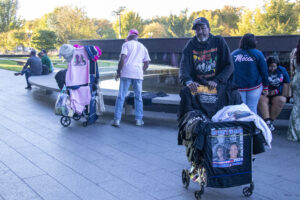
x: 134, y: 60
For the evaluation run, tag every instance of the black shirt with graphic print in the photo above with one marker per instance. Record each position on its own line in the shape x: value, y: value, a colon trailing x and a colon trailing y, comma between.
x: 204, y: 61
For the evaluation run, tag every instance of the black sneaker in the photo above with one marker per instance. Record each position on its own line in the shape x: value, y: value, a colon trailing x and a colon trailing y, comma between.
x: 28, y: 88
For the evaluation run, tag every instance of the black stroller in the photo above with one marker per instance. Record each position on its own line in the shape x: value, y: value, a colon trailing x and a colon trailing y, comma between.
x: 220, y: 152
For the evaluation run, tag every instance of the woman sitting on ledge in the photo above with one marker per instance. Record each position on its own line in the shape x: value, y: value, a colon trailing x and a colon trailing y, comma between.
x: 270, y: 106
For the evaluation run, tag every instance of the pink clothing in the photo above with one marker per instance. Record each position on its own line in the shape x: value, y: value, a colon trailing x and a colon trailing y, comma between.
x: 136, y: 54
x: 78, y: 68
x: 80, y: 98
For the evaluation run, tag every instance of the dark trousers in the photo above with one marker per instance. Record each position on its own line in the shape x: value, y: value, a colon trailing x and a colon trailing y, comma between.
x: 27, y: 75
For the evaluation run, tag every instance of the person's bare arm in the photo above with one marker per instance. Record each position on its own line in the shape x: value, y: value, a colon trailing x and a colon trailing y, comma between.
x: 146, y: 65
x: 120, y: 66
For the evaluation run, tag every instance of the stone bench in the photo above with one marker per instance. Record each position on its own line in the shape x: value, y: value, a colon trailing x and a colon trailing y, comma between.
x: 166, y: 106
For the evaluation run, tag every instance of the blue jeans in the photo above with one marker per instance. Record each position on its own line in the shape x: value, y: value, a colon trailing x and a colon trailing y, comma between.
x: 251, y: 98
x: 27, y: 75
x: 138, y: 101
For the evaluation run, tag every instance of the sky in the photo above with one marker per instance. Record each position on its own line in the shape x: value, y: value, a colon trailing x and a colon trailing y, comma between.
x: 31, y: 9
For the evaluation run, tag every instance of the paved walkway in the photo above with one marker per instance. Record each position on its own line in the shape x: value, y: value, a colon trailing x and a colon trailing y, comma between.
x: 39, y: 159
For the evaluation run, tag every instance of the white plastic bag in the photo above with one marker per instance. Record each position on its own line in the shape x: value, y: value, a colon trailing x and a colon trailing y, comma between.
x: 100, y: 107
x: 62, y: 105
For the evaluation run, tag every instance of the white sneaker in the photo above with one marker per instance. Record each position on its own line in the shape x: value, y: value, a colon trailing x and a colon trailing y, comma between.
x: 116, y: 123
x: 139, y: 122
x: 270, y: 125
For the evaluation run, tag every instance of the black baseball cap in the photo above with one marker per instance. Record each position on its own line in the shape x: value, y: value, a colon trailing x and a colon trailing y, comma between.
x: 199, y: 21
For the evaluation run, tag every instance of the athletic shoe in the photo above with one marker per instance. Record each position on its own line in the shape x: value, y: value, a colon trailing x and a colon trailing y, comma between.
x: 116, y: 123
x: 139, y: 122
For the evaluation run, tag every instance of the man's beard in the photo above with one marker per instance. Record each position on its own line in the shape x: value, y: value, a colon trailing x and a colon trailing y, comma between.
x: 203, y: 38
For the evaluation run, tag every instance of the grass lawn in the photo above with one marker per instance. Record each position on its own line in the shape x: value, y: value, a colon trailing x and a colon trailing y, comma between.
x: 10, y: 65
x: 104, y: 65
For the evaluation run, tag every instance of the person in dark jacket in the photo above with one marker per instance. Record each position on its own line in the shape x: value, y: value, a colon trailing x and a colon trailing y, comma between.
x: 205, y: 68
x: 34, y: 69
x: 270, y: 106
x: 250, y: 71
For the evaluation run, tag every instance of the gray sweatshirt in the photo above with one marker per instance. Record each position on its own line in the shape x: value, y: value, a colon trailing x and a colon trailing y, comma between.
x: 35, y: 65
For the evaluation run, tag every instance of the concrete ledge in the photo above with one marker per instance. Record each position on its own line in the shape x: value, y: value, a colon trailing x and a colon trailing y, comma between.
x: 47, y: 82
x: 165, y: 106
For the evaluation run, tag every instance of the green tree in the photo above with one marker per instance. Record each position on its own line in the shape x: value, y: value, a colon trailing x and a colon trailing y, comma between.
x: 245, y: 25
x: 228, y: 18
x: 8, y: 15
x: 275, y: 17
x: 164, y: 20
x: 104, y: 29
x: 129, y: 20
x: 19, y: 38
x: 44, y: 39
x: 155, y: 30
x: 70, y: 24
x: 180, y: 26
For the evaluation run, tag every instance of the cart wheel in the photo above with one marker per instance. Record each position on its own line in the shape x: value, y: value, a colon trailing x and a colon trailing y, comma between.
x: 85, y: 124
x: 185, y: 178
x: 201, y: 189
x: 76, y: 117
x: 197, y: 195
x: 247, y: 192
x: 65, y: 121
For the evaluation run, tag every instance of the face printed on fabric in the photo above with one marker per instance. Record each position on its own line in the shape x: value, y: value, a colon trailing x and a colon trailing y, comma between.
x: 220, y: 154
x: 233, y: 152
x: 272, y: 67
x: 202, y: 32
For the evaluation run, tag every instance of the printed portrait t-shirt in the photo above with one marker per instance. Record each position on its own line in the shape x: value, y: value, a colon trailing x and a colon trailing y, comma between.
x: 136, y: 54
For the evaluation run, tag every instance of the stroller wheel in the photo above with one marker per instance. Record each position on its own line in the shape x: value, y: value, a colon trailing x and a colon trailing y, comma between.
x: 76, y: 117
x: 247, y: 192
x: 185, y: 178
x: 197, y: 195
x: 65, y: 121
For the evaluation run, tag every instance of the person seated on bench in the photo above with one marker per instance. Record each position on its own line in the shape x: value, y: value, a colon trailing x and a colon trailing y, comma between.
x: 270, y: 106
x: 34, y: 69
x: 46, y: 63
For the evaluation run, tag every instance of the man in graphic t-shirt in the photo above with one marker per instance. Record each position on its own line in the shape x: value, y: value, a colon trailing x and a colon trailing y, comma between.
x: 134, y: 60
x: 206, y: 61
